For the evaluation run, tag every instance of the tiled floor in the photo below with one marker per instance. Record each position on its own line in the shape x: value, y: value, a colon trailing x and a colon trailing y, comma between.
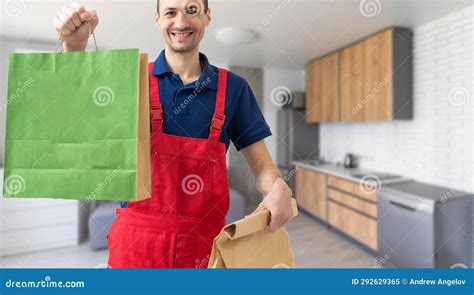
x: 313, y: 246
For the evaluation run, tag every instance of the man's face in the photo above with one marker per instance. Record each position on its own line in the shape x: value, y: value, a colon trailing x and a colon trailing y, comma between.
x: 182, y: 23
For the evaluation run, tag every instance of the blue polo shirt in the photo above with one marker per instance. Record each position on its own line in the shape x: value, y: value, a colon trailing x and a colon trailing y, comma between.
x: 188, y: 109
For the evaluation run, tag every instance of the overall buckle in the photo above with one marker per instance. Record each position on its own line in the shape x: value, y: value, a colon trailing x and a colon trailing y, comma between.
x: 156, y: 114
x: 218, y: 121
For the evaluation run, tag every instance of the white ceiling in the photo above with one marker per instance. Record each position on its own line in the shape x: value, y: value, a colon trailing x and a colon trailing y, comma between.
x: 292, y: 32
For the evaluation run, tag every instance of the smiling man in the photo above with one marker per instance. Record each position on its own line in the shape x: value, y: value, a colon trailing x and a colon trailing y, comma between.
x: 197, y: 109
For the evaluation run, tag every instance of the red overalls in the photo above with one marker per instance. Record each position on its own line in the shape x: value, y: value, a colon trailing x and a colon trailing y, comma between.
x: 190, y: 197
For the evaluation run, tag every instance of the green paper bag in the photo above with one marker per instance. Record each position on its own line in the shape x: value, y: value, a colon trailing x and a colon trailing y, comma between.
x: 78, y: 126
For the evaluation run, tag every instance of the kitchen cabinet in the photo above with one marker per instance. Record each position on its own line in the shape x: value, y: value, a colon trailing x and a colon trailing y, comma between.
x: 353, y: 202
x: 351, y: 83
x: 387, y: 79
x: 372, y: 80
x: 354, y: 224
x: 311, y: 192
x: 322, y: 92
x: 352, y: 209
x: 353, y: 188
x: 343, y: 204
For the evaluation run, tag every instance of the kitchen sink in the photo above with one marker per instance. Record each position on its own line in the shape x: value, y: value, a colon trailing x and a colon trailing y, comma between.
x: 315, y: 162
x: 376, y: 175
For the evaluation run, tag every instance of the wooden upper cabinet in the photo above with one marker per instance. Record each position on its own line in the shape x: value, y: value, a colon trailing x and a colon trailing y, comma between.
x: 351, y: 83
x: 322, y: 95
x: 377, y: 81
x: 368, y: 81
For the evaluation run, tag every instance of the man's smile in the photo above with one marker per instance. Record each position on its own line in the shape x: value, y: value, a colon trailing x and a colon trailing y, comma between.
x: 182, y: 34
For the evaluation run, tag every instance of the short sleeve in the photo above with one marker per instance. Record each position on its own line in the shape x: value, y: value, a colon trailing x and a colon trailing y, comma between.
x: 248, y: 125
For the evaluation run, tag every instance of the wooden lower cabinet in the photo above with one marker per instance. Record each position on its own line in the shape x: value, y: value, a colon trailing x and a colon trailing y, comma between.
x: 311, y: 192
x: 354, y: 188
x: 352, y: 201
x: 358, y: 226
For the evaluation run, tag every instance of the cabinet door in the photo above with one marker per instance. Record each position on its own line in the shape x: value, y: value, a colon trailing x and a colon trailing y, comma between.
x: 322, y: 97
x: 378, y: 84
x: 313, y: 111
x: 357, y: 226
x: 351, y: 83
x: 311, y: 192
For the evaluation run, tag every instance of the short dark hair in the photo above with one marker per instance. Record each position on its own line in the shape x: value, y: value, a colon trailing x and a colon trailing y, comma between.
x: 204, y: 2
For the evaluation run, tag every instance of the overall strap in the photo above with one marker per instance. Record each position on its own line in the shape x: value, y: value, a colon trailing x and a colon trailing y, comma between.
x: 156, y: 111
x: 219, y: 118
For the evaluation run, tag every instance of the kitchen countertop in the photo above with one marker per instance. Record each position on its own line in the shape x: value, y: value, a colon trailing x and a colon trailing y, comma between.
x: 423, y: 192
x: 348, y: 173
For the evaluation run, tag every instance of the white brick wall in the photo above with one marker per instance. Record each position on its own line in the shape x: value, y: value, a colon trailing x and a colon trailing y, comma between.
x: 438, y: 145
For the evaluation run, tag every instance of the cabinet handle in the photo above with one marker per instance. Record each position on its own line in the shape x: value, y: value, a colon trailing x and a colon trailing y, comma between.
x: 402, y: 206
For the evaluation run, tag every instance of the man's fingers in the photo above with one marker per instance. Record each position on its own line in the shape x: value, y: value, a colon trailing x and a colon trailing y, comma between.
x: 60, y: 26
x: 275, y: 221
x: 73, y: 16
x: 91, y: 18
x: 66, y: 21
x: 78, y: 8
x: 278, y: 219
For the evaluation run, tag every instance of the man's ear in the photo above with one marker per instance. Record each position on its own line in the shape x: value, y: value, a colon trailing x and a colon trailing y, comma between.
x: 208, y: 15
x: 157, y: 18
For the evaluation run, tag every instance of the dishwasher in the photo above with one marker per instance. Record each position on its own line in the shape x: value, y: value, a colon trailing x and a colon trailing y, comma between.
x: 424, y: 226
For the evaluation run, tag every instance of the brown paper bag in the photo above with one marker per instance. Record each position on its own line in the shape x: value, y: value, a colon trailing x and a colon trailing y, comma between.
x: 143, y: 189
x: 247, y: 244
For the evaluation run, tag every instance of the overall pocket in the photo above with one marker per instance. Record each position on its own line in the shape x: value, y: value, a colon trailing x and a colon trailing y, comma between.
x: 184, y: 183
x: 194, y: 186
x: 131, y: 247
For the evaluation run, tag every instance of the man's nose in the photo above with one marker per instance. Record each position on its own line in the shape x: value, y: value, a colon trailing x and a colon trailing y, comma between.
x: 182, y: 20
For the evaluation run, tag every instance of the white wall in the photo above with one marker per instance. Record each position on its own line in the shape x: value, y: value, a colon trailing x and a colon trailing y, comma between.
x: 276, y: 77
x: 437, y: 146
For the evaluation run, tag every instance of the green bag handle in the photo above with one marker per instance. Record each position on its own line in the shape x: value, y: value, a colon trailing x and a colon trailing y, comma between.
x: 60, y: 38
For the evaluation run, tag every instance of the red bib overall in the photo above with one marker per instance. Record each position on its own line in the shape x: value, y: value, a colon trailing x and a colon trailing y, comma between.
x: 190, y: 197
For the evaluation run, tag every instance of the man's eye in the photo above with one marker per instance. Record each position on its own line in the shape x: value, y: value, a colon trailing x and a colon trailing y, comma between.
x: 170, y: 13
x: 192, y: 10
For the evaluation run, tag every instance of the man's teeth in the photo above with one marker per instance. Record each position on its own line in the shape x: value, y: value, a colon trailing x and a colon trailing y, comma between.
x: 182, y: 34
